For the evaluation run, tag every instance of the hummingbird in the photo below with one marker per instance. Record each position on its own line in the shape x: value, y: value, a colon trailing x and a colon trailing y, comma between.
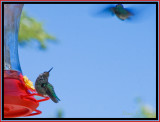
x: 44, y: 88
x: 118, y: 10
x: 121, y: 12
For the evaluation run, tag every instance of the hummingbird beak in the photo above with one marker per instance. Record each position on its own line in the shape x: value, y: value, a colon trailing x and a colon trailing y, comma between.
x: 50, y: 69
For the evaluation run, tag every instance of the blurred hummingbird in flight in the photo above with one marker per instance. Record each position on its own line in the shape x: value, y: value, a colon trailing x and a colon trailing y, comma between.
x: 118, y: 10
x: 121, y: 12
x: 44, y: 88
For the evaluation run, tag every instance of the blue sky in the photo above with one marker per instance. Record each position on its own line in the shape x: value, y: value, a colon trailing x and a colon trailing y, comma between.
x: 101, y: 64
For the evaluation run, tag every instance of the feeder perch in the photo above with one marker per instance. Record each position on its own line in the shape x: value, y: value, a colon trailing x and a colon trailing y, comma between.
x: 19, y: 100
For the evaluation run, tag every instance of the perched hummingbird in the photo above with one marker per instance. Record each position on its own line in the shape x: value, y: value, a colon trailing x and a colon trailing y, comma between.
x: 43, y: 87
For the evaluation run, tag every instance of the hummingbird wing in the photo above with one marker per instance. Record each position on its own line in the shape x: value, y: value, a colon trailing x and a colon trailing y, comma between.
x: 108, y: 11
x: 51, y: 93
x: 104, y: 11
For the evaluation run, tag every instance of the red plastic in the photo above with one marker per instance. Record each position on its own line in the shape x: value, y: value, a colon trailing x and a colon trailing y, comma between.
x: 18, y: 99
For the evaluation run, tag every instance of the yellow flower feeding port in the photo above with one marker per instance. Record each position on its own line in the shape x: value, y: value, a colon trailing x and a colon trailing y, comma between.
x: 28, y: 83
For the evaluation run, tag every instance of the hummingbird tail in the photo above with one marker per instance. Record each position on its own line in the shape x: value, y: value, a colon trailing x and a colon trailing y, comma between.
x: 54, y: 99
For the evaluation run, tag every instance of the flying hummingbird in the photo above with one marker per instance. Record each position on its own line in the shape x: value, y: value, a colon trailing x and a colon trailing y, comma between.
x: 43, y: 87
x: 118, y: 10
x: 121, y: 12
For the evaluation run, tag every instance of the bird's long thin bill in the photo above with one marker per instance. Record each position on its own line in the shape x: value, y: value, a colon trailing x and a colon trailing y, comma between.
x: 50, y: 69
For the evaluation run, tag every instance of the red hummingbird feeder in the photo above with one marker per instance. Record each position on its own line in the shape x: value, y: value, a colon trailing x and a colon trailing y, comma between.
x: 19, y: 100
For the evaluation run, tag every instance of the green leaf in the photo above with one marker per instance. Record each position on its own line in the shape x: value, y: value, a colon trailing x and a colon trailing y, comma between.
x: 32, y: 29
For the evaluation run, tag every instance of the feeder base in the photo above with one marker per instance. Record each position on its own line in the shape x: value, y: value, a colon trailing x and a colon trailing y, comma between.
x: 11, y: 111
x: 15, y: 104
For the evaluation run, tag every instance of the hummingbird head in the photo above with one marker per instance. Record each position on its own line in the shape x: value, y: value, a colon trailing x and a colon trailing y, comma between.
x: 119, y: 6
x: 47, y: 73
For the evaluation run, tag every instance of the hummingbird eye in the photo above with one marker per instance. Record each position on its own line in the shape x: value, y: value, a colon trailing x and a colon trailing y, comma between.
x: 45, y: 73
